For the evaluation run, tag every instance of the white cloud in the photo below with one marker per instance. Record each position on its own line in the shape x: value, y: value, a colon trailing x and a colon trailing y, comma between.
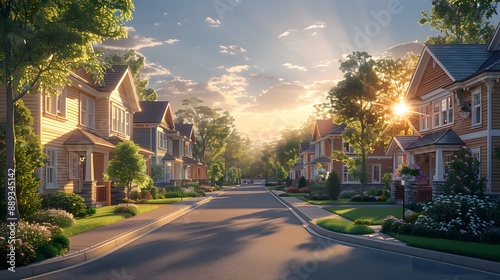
x: 172, y: 41
x: 231, y: 49
x: 153, y: 69
x: 286, y: 33
x: 237, y: 69
x: 296, y: 67
x: 157, y: 23
x: 213, y: 22
x: 316, y: 25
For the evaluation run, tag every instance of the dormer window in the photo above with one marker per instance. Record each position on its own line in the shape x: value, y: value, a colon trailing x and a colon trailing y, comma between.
x: 87, y: 111
x: 121, y: 121
x: 442, y: 112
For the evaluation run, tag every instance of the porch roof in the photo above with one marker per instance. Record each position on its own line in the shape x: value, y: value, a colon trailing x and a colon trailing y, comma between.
x: 442, y: 138
x: 168, y: 157
x: 189, y: 161
x: 402, y: 142
x: 323, y: 160
x: 115, y: 140
x: 298, y: 167
x: 80, y: 137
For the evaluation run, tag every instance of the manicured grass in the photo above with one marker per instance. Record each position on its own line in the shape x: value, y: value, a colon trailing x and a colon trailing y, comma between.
x: 297, y: 195
x: 103, y: 216
x: 342, y: 226
x: 341, y: 201
x: 374, y: 215
x: 471, y: 249
x: 163, y: 200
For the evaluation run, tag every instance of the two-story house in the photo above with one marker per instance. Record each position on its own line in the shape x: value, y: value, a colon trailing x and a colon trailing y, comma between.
x: 305, y: 155
x: 327, y: 137
x: 79, y: 129
x: 456, y: 90
x: 172, y: 144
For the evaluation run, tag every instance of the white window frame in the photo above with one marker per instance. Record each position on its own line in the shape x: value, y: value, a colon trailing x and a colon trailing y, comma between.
x: 162, y: 140
x: 442, y: 112
x: 376, y: 172
x: 51, y: 168
x: 476, y: 109
x: 168, y: 171
x: 56, y: 104
x: 425, y: 117
x: 347, y: 148
x: 346, y: 177
x: 121, y: 120
x: 87, y: 111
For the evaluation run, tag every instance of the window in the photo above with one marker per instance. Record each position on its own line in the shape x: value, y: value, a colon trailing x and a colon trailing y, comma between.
x: 442, y: 111
x: 56, y: 104
x: 121, y: 121
x: 347, y: 148
x: 346, y: 177
x: 170, y: 145
x: 162, y: 140
x: 476, y: 107
x: 376, y: 173
x: 87, y: 111
x: 168, y: 171
x: 424, y: 118
x: 51, y: 169
x: 73, y: 165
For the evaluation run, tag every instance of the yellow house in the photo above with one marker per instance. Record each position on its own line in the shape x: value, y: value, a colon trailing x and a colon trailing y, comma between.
x: 79, y: 129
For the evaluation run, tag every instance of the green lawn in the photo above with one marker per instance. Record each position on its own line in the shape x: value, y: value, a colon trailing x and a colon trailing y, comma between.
x: 471, y: 249
x: 341, y: 201
x: 103, y: 216
x: 374, y: 215
x: 343, y: 226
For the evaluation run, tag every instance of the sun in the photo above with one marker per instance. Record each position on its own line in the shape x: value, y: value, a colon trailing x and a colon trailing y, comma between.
x: 401, y: 109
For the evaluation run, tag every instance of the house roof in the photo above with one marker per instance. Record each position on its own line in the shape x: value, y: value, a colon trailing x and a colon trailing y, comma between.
x: 154, y: 112
x: 298, y: 167
x: 402, y: 142
x: 186, y: 130
x: 323, y: 160
x: 338, y: 130
x: 116, y: 76
x: 168, y: 157
x: 115, y: 140
x: 304, y: 146
x: 189, y: 161
x: 442, y: 138
x: 309, y: 150
x: 324, y: 126
x: 80, y: 137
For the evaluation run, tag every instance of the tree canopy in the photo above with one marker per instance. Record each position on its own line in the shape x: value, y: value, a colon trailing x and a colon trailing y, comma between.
x: 42, y: 41
x: 461, y: 21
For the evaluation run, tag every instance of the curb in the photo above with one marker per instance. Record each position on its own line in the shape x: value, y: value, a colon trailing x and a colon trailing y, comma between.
x: 97, y: 250
x: 469, y: 262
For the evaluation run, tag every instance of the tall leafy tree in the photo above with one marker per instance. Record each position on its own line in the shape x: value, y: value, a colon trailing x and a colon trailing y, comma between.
x: 136, y: 62
x: 42, y: 40
x: 213, y: 127
x: 127, y: 165
x: 354, y: 102
x: 461, y: 21
x: 237, y: 152
x: 287, y: 147
x: 29, y: 156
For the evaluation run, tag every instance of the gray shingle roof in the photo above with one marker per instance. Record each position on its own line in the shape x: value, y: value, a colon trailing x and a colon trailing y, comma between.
x: 184, y: 129
x: 461, y: 60
x: 152, y: 112
x: 445, y: 137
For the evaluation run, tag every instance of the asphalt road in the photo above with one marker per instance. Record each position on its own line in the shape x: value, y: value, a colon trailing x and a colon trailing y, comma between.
x: 247, y: 234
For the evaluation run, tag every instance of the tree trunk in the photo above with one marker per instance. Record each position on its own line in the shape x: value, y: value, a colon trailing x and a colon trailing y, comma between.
x: 10, y: 162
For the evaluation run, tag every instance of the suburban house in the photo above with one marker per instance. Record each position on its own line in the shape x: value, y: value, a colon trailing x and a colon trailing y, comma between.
x: 306, y: 154
x: 455, y: 91
x: 79, y: 129
x: 327, y: 137
x: 172, y: 144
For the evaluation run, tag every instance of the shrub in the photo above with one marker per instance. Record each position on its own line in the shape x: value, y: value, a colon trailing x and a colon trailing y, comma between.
x: 283, y: 195
x: 382, y: 198
x: 405, y: 229
x: 362, y: 222
x: 415, y: 207
x: 347, y: 194
x: 206, y: 189
x: 332, y: 186
x: 413, y: 217
x: 91, y: 211
x: 492, y: 236
x: 358, y: 198
x: 63, y: 241
x: 373, y: 191
x: 71, y: 202
x: 317, y: 196
x: 134, y: 195
x: 191, y: 194
x: 292, y: 190
x: 304, y: 190
x: 463, y: 175
x: 464, y: 213
x: 146, y: 195
x: 127, y: 208
x: 56, y: 217
x: 153, y: 190
x: 192, y: 185
x: 48, y: 250
x: 302, y: 182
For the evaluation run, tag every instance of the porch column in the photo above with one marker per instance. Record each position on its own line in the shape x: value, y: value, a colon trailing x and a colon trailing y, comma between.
x: 89, y: 168
x: 439, y: 165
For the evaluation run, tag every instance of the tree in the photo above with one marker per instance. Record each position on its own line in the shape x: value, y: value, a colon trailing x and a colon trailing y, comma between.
x: 135, y: 61
x: 461, y: 21
x: 215, y: 172
x: 233, y: 174
x: 157, y: 172
x: 237, y: 152
x: 464, y: 176
x: 332, y: 186
x: 212, y: 128
x: 355, y: 103
x: 41, y: 41
x: 29, y: 156
x: 281, y: 173
x: 127, y: 165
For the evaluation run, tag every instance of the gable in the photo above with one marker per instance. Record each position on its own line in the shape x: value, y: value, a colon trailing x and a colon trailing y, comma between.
x: 433, y: 77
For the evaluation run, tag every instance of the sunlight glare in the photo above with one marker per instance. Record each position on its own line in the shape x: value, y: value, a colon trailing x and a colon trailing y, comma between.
x: 401, y: 109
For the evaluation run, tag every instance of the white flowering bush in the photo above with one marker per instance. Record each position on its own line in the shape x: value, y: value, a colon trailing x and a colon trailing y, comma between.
x: 462, y: 213
x: 127, y: 208
x: 57, y: 217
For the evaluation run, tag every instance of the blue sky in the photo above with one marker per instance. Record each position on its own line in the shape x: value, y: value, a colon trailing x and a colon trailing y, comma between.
x: 266, y: 62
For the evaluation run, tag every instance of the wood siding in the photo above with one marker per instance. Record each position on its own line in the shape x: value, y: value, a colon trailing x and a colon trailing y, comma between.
x: 434, y: 77
x: 495, y: 103
x: 495, y: 166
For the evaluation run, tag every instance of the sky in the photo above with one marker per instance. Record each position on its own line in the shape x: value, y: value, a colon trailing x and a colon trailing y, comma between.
x: 266, y: 62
